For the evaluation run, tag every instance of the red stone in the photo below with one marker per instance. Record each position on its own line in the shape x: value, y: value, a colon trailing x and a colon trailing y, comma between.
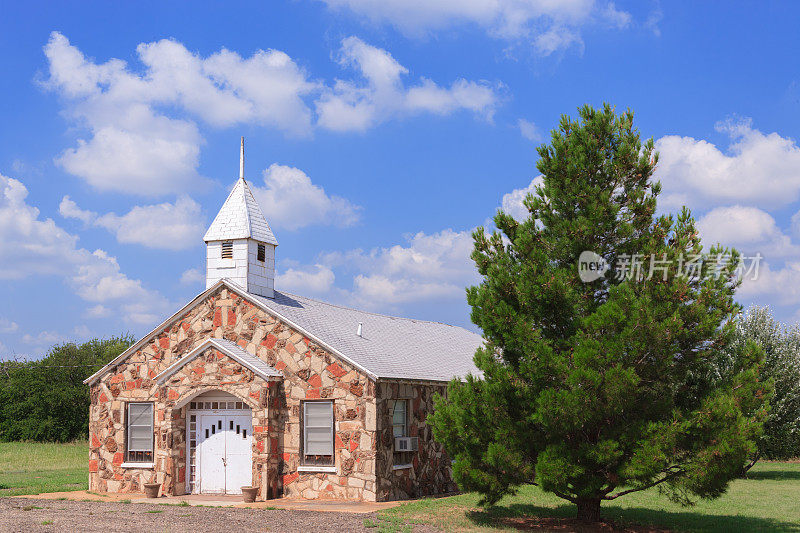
x: 117, y: 458
x: 273, y: 445
x: 315, y: 381
x: 312, y: 394
x: 256, y: 396
x: 118, y: 476
x: 93, y: 465
x: 338, y: 442
x: 260, y: 446
x: 96, y: 442
x: 231, y: 317
x: 117, y: 378
x: 269, y: 341
x: 280, y: 365
x: 258, y: 429
x: 289, y: 478
x: 336, y: 370
x: 173, y: 394
x: 353, y: 444
x: 185, y: 326
x: 286, y: 456
x: 102, y: 398
x: 164, y: 342
x: 152, y: 374
x: 181, y: 474
x: 217, y: 318
x: 290, y: 348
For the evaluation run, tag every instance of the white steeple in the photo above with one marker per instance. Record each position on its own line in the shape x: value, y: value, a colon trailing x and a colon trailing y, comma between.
x: 240, y: 245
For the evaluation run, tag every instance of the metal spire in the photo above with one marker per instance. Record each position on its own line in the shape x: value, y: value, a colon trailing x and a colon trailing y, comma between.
x: 241, y: 161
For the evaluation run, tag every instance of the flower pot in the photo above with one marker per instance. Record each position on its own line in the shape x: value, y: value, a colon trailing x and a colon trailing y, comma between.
x: 249, y: 494
x: 151, y: 489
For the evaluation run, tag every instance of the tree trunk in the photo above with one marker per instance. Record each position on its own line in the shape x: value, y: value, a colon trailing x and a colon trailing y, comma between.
x: 589, y: 509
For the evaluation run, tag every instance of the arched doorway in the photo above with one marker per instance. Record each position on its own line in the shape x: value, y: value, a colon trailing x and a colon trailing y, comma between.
x: 220, y: 444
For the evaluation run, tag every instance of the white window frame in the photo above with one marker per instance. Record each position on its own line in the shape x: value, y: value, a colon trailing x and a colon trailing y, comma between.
x: 304, y: 434
x: 404, y: 403
x: 128, y: 425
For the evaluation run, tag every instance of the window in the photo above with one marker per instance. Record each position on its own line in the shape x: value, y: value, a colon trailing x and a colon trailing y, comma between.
x: 399, y: 425
x: 318, y: 433
x: 227, y: 250
x: 262, y: 253
x: 140, y: 432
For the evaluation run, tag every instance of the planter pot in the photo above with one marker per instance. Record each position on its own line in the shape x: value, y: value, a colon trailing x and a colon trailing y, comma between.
x: 151, y: 489
x: 249, y: 494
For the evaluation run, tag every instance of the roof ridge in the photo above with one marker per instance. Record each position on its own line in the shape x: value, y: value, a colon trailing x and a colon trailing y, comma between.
x: 339, y: 306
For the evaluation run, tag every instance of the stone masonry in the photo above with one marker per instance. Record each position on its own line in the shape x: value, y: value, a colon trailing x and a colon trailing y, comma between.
x: 362, y: 439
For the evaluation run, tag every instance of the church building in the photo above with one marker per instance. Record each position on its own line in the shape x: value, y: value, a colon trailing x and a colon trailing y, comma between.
x: 247, y: 385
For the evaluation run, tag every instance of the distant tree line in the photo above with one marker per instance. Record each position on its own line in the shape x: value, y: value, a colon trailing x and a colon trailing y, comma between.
x: 46, y: 400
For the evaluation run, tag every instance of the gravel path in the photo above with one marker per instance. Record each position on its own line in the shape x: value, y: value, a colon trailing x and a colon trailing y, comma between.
x: 24, y: 514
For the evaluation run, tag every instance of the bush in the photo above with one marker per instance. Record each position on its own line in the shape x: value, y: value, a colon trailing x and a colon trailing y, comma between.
x: 46, y: 400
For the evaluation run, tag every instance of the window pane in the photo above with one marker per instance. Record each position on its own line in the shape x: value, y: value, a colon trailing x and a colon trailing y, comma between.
x: 399, y: 431
x: 318, y: 414
x: 318, y: 428
x: 140, y: 429
x: 318, y: 441
x: 139, y: 414
x: 399, y: 416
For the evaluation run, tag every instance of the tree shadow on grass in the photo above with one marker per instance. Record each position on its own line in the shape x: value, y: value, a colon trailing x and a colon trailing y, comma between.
x: 775, y: 475
x: 503, y: 517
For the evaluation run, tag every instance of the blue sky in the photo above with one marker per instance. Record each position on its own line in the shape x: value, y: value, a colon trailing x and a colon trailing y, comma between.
x: 378, y: 135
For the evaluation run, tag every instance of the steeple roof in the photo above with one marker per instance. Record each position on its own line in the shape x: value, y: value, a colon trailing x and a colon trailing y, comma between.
x: 240, y: 216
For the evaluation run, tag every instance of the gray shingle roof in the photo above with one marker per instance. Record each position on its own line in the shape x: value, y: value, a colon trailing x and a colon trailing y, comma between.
x: 233, y: 350
x: 389, y: 347
x: 240, y: 218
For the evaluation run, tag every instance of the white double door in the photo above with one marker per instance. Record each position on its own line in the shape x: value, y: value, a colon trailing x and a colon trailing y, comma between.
x: 225, y: 453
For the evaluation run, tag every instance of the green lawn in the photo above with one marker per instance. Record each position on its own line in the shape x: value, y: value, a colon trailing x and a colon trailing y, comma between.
x: 769, y: 500
x: 35, y: 467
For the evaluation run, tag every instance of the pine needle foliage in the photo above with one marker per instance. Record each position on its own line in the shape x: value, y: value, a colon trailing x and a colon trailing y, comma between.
x: 595, y: 390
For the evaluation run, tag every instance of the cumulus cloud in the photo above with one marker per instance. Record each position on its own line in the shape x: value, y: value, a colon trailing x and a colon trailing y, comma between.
x: 351, y: 106
x: 32, y: 246
x: 512, y: 202
x: 748, y: 229
x: 290, y: 200
x: 317, y: 279
x: 192, y: 276
x: 134, y: 147
x: 548, y: 26
x: 7, y: 326
x: 758, y: 168
x: 166, y: 226
x: 427, y: 267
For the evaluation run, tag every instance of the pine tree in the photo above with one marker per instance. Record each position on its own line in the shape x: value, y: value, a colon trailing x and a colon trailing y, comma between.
x: 593, y: 390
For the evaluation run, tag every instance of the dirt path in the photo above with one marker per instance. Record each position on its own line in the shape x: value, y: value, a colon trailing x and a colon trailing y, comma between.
x: 23, y: 514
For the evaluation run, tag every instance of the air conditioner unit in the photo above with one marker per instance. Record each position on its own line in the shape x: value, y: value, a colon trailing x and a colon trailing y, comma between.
x: 406, y: 444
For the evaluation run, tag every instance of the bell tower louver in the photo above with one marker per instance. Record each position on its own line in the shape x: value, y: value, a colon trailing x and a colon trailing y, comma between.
x: 240, y: 245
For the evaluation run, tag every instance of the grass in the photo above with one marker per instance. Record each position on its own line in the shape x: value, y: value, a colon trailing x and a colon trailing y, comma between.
x: 765, y: 501
x: 36, y: 467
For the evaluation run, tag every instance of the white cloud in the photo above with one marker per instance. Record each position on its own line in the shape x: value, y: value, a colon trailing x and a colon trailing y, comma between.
x: 348, y: 106
x: 757, y: 168
x: 551, y: 26
x: 165, y: 226
x: 134, y: 147
x: 290, y: 200
x: 31, y: 246
x: 428, y: 267
x: 312, y: 280
x: 7, y: 326
x: 512, y: 202
x: 82, y: 331
x: 192, y: 276
x: 748, y: 229
x: 529, y: 130
x: 44, y: 339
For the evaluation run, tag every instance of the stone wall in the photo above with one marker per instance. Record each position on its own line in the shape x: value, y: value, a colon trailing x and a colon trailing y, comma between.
x: 430, y: 472
x: 310, y: 372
